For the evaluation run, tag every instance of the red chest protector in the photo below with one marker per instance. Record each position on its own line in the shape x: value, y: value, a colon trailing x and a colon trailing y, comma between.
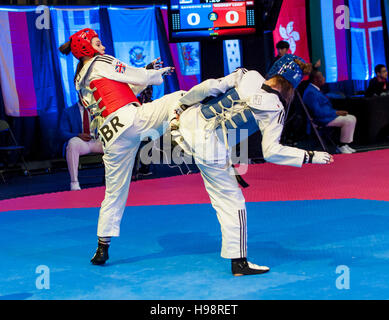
x: 113, y: 95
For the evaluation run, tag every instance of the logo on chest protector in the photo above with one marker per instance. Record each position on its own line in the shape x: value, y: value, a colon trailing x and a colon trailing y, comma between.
x: 109, y: 130
x: 257, y: 100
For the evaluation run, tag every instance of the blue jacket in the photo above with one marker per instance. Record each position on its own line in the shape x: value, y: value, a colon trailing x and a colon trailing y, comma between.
x: 70, y: 125
x: 319, y: 105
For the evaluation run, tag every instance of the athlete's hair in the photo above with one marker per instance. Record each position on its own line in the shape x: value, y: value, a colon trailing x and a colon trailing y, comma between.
x: 66, y: 49
x: 305, y: 67
x: 286, y: 88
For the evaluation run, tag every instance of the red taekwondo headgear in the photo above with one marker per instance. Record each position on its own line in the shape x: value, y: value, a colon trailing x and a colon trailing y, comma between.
x: 81, y: 43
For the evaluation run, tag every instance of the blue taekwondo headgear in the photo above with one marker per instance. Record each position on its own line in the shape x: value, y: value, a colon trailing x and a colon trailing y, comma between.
x: 288, y: 69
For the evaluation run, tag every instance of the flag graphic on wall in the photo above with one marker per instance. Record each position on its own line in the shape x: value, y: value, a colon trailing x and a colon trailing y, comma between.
x: 291, y: 27
x: 187, y: 76
x: 189, y: 53
x: 135, y: 38
x: 27, y: 73
x: 65, y: 23
x: 367, y: 38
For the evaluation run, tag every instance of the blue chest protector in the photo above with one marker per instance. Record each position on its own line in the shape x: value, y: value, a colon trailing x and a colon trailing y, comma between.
x: 227, y: 109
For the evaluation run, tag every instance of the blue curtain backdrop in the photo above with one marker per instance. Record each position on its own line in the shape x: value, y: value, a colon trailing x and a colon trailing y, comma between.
x: 48, y: 100
x: 67, y: 21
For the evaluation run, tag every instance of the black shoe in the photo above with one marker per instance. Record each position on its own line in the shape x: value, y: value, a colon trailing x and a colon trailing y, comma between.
x: 243, y: 268
x: 101, y: 254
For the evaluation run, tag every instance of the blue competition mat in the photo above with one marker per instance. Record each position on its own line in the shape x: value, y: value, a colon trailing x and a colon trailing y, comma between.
x: 325, y: 249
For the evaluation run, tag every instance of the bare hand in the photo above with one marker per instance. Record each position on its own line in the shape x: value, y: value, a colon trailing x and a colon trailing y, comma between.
x: 85, y: 137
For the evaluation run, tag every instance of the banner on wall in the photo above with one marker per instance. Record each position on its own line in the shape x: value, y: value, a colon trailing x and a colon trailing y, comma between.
x: 291, y: 27
x: 135, y: 38
x: 329, y: 24
x: 232, y: 55
x: 367, y: 38
x: 27, y: 73
x: 189, y: 57
x: 65, y: 23
x: 186, y: 55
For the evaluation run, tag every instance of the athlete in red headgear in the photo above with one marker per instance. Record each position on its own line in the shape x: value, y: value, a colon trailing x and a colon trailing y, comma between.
x: 108, y: 87
x: 81, y: 44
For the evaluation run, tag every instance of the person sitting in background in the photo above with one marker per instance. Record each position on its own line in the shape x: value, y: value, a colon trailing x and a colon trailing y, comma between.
x: 74, y: 130
x: 324, y: 114
x: 379, y: 84
x: 282, y: 49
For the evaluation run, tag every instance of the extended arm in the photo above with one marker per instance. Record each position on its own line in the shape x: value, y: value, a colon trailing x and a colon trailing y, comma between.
x: 271, y: 125
x: 115, y: 69
x: 212, y: 87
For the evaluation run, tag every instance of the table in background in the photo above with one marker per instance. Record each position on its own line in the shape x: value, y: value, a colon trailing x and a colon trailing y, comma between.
x: 372, y: 117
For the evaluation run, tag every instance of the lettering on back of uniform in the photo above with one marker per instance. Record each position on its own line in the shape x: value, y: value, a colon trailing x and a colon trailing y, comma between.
x: 109, y: 130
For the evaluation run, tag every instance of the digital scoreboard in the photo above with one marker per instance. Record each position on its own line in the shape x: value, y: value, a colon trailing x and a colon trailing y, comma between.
x: 211, y: 19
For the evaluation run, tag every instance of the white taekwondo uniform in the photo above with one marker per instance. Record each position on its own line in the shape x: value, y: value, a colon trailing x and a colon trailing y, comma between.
x: 121, y: 130
x: 218, y: 175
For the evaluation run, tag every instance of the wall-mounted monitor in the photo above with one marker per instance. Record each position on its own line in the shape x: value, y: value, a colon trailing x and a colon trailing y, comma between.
x: 194, y: 20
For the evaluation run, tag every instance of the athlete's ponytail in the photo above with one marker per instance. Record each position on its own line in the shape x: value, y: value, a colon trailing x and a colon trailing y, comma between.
x: 66, y: 49
x: 305, y: 67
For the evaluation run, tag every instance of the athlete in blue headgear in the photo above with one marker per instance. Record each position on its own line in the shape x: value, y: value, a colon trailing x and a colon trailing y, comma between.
x: 291, y: 68
x: 241, y: 100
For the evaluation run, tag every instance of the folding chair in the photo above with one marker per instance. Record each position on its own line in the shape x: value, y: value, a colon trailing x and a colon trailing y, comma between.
x: 325, y: 131
x: 4, y: 127
x: 326, y: 134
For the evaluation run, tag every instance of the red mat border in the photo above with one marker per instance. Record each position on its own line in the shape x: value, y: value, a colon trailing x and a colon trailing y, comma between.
x: 356, y: 176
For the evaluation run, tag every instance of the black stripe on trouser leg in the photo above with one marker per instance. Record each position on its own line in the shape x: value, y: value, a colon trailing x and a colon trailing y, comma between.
x: 244, y: 233
x: 242, y: 222
x: 243, y: 213
x: 240, y: 235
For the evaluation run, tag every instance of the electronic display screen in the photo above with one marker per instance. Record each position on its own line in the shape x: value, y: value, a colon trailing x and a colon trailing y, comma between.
x: 212, y: 19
